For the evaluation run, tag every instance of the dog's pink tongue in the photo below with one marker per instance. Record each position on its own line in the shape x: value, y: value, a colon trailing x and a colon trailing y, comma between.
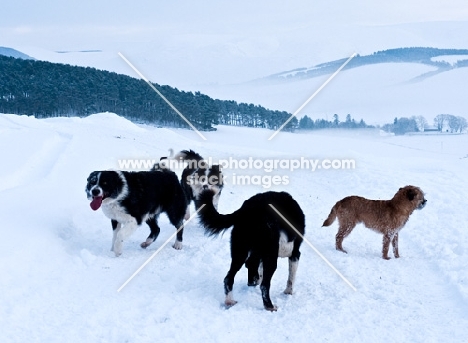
x: 96, y: 203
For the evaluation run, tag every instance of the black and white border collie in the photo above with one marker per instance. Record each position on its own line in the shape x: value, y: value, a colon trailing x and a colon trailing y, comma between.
x: 130, y: 198
x: 198, y: 175
x: 259, y: 236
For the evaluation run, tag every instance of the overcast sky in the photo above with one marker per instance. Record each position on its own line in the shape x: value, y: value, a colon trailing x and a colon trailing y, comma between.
x: 55, y: 23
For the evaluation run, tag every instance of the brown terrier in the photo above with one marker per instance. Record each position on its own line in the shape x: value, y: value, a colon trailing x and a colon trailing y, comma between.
x: 384, y: 216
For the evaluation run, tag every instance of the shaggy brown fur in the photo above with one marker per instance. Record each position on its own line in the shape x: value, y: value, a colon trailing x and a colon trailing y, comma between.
x: 384, y: 216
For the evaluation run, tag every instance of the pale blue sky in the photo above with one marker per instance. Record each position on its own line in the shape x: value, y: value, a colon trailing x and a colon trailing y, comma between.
x: 53, y: 22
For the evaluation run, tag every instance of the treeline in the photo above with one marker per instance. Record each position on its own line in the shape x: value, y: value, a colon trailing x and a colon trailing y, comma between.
x: 442, y: 123
x: 44, y: 89
x: 399, y: 55
x: 414, y: 54
x: 306, y: 123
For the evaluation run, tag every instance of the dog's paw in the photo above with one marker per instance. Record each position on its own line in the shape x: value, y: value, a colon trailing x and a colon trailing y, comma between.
x: 288, y: 290
x: 177, y: 245
x: 146, y: 243
x: 272, y: 309
x: 254, y: 282
x: 118, y: 248
x: 229, y: 303
x: 342, y: 250
x: 386, y: 258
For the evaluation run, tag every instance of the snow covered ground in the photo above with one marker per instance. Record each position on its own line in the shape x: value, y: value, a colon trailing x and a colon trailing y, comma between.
x: 59, y: 279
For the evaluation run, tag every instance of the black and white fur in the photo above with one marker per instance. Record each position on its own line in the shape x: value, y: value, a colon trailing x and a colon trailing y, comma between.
x: 259, y: 236
x: 130, y: 198
x: 198, y: 175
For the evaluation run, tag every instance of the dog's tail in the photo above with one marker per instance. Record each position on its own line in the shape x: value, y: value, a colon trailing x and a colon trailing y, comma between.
x: 162, y: 165
x: 331, y: 217
x: 213, y: 222
x: 188, y: 155
x: 171, y: 155
x: 193, y: 159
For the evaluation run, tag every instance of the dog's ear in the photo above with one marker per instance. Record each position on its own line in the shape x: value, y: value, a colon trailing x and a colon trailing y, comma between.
x: 410, y: 194
x: 92, y: 177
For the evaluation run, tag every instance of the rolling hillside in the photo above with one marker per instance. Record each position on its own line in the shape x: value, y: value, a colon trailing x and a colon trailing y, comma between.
x: 426, y: 56
x: 377, y: 87
x: 9, y: 52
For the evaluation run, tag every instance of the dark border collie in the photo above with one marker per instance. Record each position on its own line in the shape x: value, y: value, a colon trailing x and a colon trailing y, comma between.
x: 198, y: 175
x: 130, y: 198
x: 259, y: 236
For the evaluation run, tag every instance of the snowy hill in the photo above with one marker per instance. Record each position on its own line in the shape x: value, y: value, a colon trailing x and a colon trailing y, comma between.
x: 9, y: 52
x: 426, y: 56
x: 59, y: 280
x: 376, y: 93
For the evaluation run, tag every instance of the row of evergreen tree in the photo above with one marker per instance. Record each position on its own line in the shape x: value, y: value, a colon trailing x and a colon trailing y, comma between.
x: 44, y: 89
x: 306, y: 123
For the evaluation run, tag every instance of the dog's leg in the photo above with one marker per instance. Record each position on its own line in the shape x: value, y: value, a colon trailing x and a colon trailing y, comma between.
x: 229, y: 283
x: 269, y: 268
x: 187, y: 213
x: 385, y: 246
x: 176, y: 217
x: 238, y: 255
x: 395, y: 245
x: 116, y: 226
x: 343, y: 232
x: 178, y: 242
x: 293, y: 264
x: 153, y: 224
x: 292, y: 276
x: 125, y: 231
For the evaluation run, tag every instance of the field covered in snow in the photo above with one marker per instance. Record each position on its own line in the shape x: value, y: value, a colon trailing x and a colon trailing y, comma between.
x: 59, y: 279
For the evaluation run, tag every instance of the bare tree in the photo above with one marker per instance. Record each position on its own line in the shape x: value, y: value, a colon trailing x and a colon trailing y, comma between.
x: 421, y: 122
x: 456, y: 124
x: 463, y: 123
x: 440, y: 121
x: 452, y: 123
